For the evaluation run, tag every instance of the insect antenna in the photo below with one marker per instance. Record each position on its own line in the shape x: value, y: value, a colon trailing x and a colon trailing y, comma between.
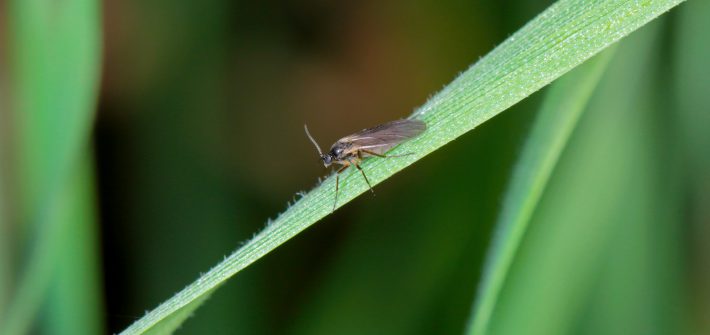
x: 312, y: 140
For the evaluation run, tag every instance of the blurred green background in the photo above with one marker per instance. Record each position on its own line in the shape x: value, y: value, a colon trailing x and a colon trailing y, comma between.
x: 144, y: 140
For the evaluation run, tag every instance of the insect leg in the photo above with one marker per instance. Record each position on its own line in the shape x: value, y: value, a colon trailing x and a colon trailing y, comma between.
x: 384, y: 156
x: 363, y: 174
x: 337, y: 181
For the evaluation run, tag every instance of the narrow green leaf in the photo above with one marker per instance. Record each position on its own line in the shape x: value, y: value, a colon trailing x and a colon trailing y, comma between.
x: 54, y: 61
x: 558, y: 116
x: 691, y: 62
x: 643, y: 272
x: 74, y: 304
x: 582, y: 267
x: 562, y: 37
x: 5, y: 240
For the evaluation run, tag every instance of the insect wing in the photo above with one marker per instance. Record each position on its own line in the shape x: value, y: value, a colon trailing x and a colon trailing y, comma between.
x: 381, y: 138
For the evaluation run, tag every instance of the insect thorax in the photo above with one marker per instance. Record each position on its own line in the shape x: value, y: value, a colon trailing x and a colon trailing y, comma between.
x: 339, y: 150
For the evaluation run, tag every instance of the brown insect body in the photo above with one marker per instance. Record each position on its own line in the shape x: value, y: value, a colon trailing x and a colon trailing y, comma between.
x: 375, y: 141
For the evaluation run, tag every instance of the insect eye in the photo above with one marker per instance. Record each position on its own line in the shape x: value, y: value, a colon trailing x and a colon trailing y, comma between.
x: 338, y: 151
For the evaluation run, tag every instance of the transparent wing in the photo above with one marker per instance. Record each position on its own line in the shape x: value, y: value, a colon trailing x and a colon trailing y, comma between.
x: 381, y: 138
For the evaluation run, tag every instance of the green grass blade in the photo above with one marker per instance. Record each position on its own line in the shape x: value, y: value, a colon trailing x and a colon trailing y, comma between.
x: 74, y: 304
x: 646, y: 271
x: 54, y: 61
x: 692, y: 79
x: 603, y: 194
x: 5, y: 240
x: 562, y: 37
x: 558, y: 116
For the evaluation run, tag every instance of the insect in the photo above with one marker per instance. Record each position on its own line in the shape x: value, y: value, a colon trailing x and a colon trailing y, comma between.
x: 375, y: 141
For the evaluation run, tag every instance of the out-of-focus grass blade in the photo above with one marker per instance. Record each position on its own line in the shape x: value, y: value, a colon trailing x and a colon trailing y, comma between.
x: 603, y: 194
x: 55, y: 60
x: 639, y: 287
x: 558, y: 116
x: 5, y: 227
x: 5, y: 242
x: 562, y: 37
x: 692, y: 79
x: 54, y: 57
x: 74, y: 304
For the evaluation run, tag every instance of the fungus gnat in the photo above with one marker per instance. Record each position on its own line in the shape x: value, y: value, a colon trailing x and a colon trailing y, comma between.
x: 375, y: 141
